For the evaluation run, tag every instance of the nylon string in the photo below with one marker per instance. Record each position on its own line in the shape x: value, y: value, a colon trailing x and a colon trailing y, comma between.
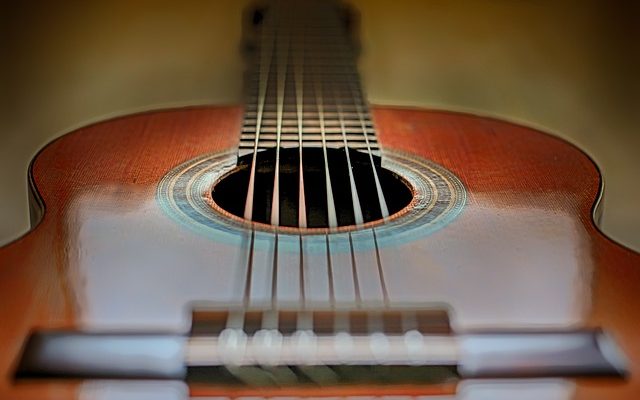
x: 266, y: 52
x: 355, y: 199
x: 331, y: 207
x: 298, y: 77
x: 282, y: 45
x: 384, y: 210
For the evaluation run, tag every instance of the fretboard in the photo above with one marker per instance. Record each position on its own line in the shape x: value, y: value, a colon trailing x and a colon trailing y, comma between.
x: 302, y: 87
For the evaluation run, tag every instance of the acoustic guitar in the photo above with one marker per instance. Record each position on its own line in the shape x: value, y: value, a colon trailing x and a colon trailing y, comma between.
x: 308, y: 245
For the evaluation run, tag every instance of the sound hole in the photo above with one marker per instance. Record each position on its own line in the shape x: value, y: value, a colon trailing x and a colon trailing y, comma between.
x: 230, y: 193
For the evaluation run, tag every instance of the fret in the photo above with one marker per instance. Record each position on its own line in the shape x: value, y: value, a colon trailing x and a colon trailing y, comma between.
x: 306, y: 137
x: 330, y: 110
x: 352, y: 135
x: 309, y: 130
x: 344, y: 95
x: 308, y: 116
x: 246, y: 148
x: 344, y: 101
x: 343, y: 92
x: 309, y: 122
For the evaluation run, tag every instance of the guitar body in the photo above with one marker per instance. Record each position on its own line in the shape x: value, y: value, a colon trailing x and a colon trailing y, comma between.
x: 523, y: 252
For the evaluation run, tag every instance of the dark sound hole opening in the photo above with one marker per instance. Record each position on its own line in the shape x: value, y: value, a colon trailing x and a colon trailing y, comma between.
x: 230, y: 193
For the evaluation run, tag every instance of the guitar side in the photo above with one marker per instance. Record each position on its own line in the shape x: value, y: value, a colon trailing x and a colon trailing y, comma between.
x: 524, y: 252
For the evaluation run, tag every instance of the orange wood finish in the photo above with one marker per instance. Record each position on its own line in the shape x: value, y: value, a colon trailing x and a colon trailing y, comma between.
x: 518, y: 180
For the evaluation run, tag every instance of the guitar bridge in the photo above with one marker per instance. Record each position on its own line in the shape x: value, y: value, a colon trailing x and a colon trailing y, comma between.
x: 326, y: 348
x: 320, y: 348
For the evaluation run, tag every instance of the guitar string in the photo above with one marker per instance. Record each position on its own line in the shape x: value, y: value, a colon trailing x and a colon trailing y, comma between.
x: 354, y: 272
x: 330, y: 200
x: 266, y: 53
x: 282, y: 51
x: 384, y: 209
x: 383, y: 283
x: 331, y: 207
x: 356, y: 207
x: 380, y: 194
x: 249, y: 272
x: 355, y: 199
x: 381, y: 199
x: 330, y: 263
x: 298, y: 69
x: 331, y: 211
x: 354, y: 89
x: 357, y: 211
x: 274, y: 274
x: 298, y: 77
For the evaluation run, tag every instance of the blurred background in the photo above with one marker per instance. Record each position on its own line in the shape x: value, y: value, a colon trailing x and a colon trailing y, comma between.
x: 570, y: 68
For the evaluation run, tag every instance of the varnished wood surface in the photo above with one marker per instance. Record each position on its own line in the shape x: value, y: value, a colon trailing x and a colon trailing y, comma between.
x: 528, y: 217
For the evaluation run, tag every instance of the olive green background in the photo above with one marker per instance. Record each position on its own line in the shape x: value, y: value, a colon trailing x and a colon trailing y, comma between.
x: 566, y: 67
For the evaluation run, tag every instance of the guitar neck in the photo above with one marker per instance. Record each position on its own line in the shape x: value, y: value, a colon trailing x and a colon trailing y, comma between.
x: 302, y: 87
